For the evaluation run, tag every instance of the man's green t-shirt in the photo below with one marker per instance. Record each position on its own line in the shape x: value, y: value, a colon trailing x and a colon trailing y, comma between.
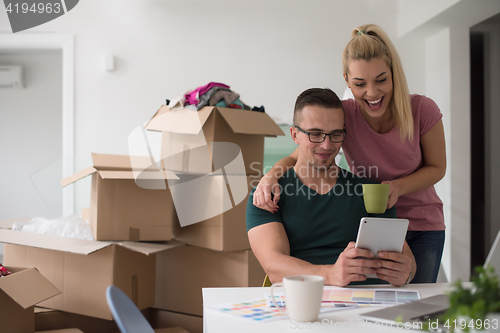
x: 318, y: 226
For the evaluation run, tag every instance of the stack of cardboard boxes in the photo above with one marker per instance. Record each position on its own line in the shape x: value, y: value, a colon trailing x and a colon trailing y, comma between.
x: 140, y: 206
x: 217, y: 153
x: 120, y: 211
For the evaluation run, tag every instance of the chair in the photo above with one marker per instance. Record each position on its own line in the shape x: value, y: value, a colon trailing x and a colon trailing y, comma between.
x: 127, y: 316
x: 267, y: 282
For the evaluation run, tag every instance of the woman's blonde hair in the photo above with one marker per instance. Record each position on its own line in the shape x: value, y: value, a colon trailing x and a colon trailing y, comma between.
x: 370, y: 41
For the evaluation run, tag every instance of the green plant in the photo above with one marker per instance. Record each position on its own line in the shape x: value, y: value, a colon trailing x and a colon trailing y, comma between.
x: 469, y: 307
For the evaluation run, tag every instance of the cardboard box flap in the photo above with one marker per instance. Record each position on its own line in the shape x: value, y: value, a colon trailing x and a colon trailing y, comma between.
x: 160, y: 174
x: 121, y: 162
x: 42, y: 310
x: 163, y: 109
x: 50, y: 242
x: 7, y: 224
x: 150, y: 248
x: 182, y: 121
x: 120, y: 167
x: 78, y: 246
x: 15, y: 269
x: 187, y: 121
x: 28, y: 287
x: 250, y: 122
x: 77, y: 176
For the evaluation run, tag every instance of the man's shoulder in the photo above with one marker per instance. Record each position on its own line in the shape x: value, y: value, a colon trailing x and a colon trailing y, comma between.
x: 288, y: 177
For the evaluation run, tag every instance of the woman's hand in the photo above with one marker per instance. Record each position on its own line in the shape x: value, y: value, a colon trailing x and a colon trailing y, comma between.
x: 393, y: 193
x: 267, y: 194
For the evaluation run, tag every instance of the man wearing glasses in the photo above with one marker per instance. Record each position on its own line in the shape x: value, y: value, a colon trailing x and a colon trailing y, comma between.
x: 320, y: 206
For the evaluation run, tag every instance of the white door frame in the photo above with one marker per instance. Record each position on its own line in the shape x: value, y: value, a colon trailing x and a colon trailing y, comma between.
x: 64, y: 42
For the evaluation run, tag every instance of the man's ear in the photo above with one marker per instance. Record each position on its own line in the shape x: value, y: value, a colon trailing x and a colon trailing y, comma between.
x: 293, y: 133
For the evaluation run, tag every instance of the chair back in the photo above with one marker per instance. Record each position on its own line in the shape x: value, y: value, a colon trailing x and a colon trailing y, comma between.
x: 126, y: 314
x: 267, y: 282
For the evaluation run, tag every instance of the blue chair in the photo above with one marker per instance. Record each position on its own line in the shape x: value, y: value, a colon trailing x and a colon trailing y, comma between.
x: 126, y: 314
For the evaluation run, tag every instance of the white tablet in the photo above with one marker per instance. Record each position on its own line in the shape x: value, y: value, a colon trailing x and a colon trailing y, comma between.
x: 381, y: 234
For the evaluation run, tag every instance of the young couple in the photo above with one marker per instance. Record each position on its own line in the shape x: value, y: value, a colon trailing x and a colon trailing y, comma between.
x: 384, y: 127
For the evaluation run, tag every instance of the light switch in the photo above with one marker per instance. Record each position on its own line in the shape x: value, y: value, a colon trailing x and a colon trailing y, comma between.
x: 109, y: 62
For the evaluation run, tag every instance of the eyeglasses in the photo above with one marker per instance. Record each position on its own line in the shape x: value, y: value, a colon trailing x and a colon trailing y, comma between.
x: 318, y: 137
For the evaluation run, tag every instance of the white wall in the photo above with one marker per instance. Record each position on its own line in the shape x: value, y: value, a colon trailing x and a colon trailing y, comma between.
x: 415, y: 13
x: 31, y: 137
x: 438, y: 87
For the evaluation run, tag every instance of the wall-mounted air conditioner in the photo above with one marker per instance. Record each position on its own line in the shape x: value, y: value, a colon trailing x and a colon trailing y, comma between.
x: 11, y: 77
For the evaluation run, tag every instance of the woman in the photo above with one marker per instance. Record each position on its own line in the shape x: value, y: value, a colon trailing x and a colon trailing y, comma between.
x: 392, y: 137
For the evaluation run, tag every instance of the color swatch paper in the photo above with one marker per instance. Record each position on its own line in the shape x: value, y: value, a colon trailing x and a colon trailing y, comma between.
x: 368, y: 296
x: 260, y: 310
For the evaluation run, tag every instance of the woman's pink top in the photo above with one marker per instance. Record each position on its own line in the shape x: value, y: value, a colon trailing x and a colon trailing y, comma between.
x: 386, y: 157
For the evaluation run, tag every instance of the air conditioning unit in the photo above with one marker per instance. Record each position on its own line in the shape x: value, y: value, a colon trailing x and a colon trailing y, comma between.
x: 11, y: 77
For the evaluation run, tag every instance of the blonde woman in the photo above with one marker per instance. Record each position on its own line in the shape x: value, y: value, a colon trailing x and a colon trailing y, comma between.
x: 392, y: 137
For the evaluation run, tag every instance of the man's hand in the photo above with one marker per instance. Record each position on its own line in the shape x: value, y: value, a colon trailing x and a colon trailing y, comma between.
x: 352, y: 265
x: 396, y: 267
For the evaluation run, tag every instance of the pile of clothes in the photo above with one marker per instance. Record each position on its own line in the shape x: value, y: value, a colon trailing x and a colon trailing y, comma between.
x: 211, y: 94
x: 4, y: 271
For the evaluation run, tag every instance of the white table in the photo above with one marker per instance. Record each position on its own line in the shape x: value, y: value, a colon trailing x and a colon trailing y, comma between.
x: 338, y: 321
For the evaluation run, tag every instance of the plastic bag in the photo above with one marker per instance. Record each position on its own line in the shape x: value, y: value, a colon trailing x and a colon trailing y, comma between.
x: 73, y: 226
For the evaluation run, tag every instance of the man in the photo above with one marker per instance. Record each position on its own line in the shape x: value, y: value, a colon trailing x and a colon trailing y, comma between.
x: 320, y: 206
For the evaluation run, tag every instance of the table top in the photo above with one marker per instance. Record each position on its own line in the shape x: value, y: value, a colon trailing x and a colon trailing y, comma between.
x: 341, y: 321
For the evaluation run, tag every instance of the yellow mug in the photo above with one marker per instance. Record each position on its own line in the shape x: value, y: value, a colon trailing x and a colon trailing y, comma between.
x: 375, y: 197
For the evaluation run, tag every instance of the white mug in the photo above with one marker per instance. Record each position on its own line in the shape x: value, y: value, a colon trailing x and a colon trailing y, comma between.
x: 303, y: 295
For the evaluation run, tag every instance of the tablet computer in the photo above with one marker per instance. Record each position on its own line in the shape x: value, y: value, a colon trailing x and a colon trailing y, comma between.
x: 381, y: 234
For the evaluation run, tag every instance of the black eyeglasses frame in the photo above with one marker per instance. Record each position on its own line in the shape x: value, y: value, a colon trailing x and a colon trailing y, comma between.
x: 324, y: 135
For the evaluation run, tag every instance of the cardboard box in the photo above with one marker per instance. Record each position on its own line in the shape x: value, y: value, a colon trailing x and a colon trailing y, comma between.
x: 122, y: 210
x: 50, y: 319
x: 58, y: 321
x: 83, y: 269
x: 162, y: 318
x: 187, y: 138
x: 66, y: 330
x: 86, y: 213
x: 19, y: 292
x: 7, y: 224
x: 224, y: 206
x: 170, y: 330
x: 182, y: 272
